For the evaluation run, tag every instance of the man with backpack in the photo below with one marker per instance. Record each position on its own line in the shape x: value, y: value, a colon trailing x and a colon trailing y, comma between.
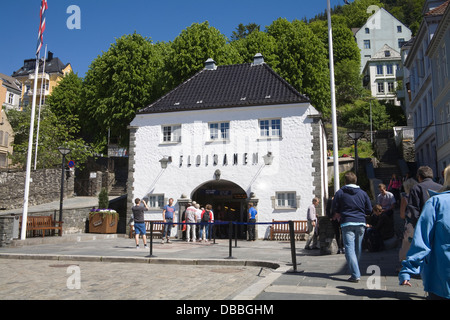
x: 207, y: 217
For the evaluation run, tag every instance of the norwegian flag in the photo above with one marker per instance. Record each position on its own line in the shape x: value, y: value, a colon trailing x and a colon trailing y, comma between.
x: 44, y: 7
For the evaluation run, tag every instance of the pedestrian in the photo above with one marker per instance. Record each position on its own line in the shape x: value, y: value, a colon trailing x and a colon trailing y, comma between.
x: 429, y: 255
x: 351, y: 205
x: 190, y: 222
x: 312, y: 234
x: 206, y: 218
x: 336, y: 225
x: 252, y: 215
x: 139, y: 221
x: 168, y: 218
x: 419, y: 193
x: 386, y: 199
x: 380, y: 230
x: 198, y: 220
x: 408, y: 229
x: 395, y: 184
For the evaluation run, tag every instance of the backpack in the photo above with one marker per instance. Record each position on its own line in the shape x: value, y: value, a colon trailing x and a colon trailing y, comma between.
x: 205, y: 216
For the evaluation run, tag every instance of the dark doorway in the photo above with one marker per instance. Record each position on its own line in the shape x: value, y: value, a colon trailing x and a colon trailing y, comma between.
x: 228, y: 201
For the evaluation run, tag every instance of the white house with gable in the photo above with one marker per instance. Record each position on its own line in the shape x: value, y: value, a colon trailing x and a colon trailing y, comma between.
x: 228, y: 136
x: 381, y: 28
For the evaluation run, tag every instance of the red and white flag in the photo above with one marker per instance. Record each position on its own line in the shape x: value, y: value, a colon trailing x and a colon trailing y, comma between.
x: 44, y: 7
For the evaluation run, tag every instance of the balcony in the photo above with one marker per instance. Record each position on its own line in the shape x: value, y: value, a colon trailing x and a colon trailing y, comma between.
x: 46, y: 76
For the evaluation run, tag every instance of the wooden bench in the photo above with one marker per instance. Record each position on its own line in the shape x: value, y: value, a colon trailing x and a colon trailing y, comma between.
x: 158, y: 228
x: 280, y: 230
x: 38, y: 225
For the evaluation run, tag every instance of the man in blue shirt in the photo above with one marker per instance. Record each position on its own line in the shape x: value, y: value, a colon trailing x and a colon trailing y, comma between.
x: 351, y: 205
x: 168, y: 215
x: 252, y: 214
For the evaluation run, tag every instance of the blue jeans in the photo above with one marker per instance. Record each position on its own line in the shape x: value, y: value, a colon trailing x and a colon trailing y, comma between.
x: 352, y: 237
x: 167, y: 228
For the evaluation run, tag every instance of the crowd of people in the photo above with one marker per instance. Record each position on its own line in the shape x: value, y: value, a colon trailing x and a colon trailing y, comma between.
x: 425, y: 209
x: 424, y: 206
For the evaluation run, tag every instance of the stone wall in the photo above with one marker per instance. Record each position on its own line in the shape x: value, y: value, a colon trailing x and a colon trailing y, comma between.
x: 45, y: 186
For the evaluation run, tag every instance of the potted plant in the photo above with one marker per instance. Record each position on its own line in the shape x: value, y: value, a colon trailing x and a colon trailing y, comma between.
x: 103, y: 220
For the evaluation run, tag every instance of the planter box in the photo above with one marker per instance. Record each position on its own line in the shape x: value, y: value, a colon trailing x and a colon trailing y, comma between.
x: 103, y: 223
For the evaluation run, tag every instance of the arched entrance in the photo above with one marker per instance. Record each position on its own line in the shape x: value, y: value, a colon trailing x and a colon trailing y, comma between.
x: 228, y: 201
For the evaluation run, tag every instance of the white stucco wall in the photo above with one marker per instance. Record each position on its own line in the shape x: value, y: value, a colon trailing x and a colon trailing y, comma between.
x: 291, y: 169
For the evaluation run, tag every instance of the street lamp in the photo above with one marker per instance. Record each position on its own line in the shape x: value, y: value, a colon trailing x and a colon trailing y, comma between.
x: 355, y: 135
x: 64, y: 151
x: 164, y: 161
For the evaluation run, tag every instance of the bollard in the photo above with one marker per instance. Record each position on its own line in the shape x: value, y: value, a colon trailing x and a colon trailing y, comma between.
x: 230, y: 236
x: 235, y: 235
x: 151, y: 239
x: 293, y: 254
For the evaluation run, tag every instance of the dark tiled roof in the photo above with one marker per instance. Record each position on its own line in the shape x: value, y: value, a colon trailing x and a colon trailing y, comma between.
x: 226, y: 87
x: 53, y: 65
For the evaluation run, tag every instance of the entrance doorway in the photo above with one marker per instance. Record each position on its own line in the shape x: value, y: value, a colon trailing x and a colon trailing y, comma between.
x: 228, y: 201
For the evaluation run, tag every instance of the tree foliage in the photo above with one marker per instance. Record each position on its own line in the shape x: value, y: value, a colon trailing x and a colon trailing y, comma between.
x: 121, y: 81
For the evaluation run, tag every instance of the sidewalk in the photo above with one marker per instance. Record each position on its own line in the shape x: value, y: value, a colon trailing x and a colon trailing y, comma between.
x: 260, y: 270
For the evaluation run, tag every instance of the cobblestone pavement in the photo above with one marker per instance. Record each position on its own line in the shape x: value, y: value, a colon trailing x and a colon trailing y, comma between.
x: 84, y: 280
x: 113, y: 269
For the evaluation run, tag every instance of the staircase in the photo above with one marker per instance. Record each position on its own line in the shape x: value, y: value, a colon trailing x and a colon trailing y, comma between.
x: 388, y: 156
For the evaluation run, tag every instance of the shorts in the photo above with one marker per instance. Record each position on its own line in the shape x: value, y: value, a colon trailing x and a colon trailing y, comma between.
x: 139, y: 228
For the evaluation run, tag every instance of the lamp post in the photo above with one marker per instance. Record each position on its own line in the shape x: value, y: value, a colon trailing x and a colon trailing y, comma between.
x: 355, y: 135
x: 64, y: 151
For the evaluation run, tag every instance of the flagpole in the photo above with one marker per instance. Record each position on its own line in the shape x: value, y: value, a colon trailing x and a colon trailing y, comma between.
x: 30, y: 150
x: 23, y: 233
x: 333, y: 102
x: 39, y: 112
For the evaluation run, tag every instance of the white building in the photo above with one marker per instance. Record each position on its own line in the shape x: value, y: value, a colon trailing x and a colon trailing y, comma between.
x: 381, y: 29
x: 438, y: 53
x: 420, y: 98
x: 228, y: 136
x: 380, y: 74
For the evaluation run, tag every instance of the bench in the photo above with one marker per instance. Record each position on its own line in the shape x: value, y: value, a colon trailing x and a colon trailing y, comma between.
x: 280, y: 230
x: 37, y: 225
x: 158, y: 228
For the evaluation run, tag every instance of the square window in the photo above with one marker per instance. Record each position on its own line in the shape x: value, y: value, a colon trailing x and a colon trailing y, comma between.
x: 219, y: 131
x: 172, y: 133
x: 270, y: 128
x: 155, y: 201
x: 286, y: 200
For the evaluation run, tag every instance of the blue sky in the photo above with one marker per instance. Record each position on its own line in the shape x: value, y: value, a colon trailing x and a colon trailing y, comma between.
x: 103, y: 21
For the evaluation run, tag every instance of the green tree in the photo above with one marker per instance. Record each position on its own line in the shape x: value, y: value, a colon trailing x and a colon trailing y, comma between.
x: 243, y: 31
x: 193, y: 47
x: 121, y: 81
x: 257, y: 42
x: 65, y: 101
x: 358, y: 12
x: 348, y: 81
x: 301, y: 61
x: 53, y: 133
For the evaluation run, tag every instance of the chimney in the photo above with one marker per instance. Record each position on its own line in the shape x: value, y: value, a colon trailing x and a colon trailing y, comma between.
x: 210, y: 64
x: 50, y: 56
x: 258, y: 59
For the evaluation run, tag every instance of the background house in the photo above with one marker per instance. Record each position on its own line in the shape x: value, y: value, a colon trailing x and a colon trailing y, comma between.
x: 55, y: 70
x: 381, y: 29
x: 380, y: 74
